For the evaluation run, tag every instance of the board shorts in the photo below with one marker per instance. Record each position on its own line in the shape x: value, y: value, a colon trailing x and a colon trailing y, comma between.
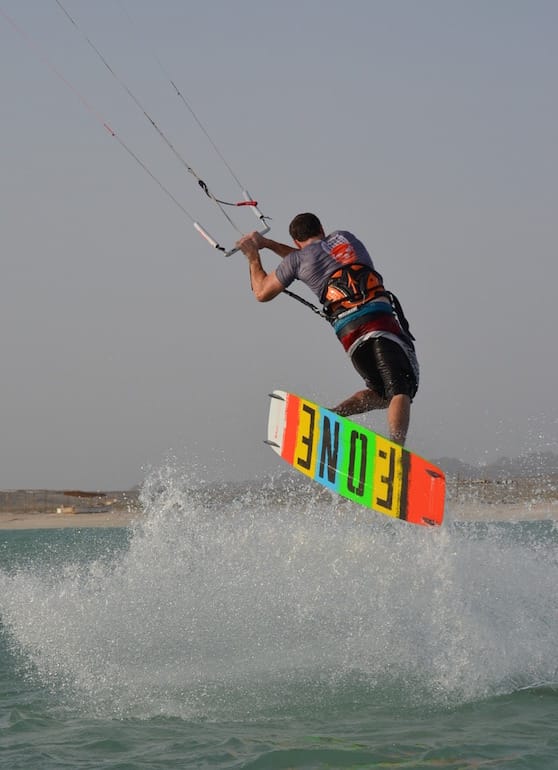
x: 385, y: 367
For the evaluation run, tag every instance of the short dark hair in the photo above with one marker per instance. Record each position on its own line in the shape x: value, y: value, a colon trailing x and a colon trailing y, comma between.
x: 305, y: 226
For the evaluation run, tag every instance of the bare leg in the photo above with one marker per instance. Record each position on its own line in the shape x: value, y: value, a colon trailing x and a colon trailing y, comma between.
x: 398, y: 415
x: 362, y: 401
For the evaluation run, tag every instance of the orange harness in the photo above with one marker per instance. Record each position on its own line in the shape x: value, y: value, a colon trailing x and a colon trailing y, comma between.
x: 349, y: 287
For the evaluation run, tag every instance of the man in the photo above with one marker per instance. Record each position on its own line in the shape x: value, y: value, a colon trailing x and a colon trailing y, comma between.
x: 367, y: 319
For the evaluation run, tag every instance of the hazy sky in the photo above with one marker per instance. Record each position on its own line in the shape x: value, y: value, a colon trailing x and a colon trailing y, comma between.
x: 427, y: 127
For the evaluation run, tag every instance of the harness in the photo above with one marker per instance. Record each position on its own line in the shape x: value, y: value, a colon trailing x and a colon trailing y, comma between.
x: 351, y: 286
x: 370, y: 290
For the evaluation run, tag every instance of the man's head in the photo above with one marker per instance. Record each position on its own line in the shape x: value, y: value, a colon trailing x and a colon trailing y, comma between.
x: 305, y: 226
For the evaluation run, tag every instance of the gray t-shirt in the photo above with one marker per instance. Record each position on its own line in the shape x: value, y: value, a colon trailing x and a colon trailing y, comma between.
x: 315, y: 263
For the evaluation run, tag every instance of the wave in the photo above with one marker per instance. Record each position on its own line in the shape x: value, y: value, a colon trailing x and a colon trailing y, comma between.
x: 231, y: 600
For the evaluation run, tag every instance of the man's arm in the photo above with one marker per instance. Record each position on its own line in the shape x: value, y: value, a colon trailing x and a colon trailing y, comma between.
x: 260, y: 242
x: 265, y: 286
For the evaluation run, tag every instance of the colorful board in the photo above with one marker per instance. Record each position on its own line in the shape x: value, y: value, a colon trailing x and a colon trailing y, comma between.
x: 355, y: 462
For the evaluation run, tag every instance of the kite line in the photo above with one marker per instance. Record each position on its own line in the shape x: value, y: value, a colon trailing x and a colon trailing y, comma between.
x: 219, y: 202
x: 247, y: 200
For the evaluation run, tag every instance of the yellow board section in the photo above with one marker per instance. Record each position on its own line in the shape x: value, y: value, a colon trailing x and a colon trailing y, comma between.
x: 388, y: 477
x: 305, y: 456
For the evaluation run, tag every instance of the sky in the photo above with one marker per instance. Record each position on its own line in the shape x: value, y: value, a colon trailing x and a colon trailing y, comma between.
x: 426, y: 127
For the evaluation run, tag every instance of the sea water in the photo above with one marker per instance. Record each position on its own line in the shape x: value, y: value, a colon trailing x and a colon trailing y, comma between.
x: 272, y: 625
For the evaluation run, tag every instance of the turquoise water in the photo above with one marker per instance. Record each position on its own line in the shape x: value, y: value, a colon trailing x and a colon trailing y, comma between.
x: 250, y: 627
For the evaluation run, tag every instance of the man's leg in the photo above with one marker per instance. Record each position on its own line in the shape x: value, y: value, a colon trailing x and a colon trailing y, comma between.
x: 386, y: 368
x: 362, y: 401
x: 398, y: 411
x: 398, y: 416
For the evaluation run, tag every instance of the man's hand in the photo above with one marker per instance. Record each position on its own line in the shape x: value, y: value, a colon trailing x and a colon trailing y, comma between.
x: 259, y: 240
x: 256, y: 241
x: 250, y: 245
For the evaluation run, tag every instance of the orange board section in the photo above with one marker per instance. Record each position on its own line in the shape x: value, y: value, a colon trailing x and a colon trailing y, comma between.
x: 426, y: 490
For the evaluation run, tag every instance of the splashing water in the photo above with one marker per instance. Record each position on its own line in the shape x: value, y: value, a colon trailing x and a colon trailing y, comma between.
x: 234, y: 600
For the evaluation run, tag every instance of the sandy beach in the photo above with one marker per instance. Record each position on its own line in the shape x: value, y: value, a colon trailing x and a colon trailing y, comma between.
x: 52, y: 508
x: 58, y: 520
x: 520, y: 499
x: 469, y: 511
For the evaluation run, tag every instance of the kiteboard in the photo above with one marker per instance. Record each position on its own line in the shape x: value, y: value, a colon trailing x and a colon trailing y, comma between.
x: 355, y: 462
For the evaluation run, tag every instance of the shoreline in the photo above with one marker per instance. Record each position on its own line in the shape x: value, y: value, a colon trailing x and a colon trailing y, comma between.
x: 19, y: 520
x: 494, y: 512
x: 456, y: 512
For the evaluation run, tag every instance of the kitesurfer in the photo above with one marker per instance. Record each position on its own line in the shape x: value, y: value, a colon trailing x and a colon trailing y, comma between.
x: 367, y: 319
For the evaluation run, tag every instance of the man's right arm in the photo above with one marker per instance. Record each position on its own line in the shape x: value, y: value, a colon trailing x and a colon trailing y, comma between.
x: 265, y: 286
